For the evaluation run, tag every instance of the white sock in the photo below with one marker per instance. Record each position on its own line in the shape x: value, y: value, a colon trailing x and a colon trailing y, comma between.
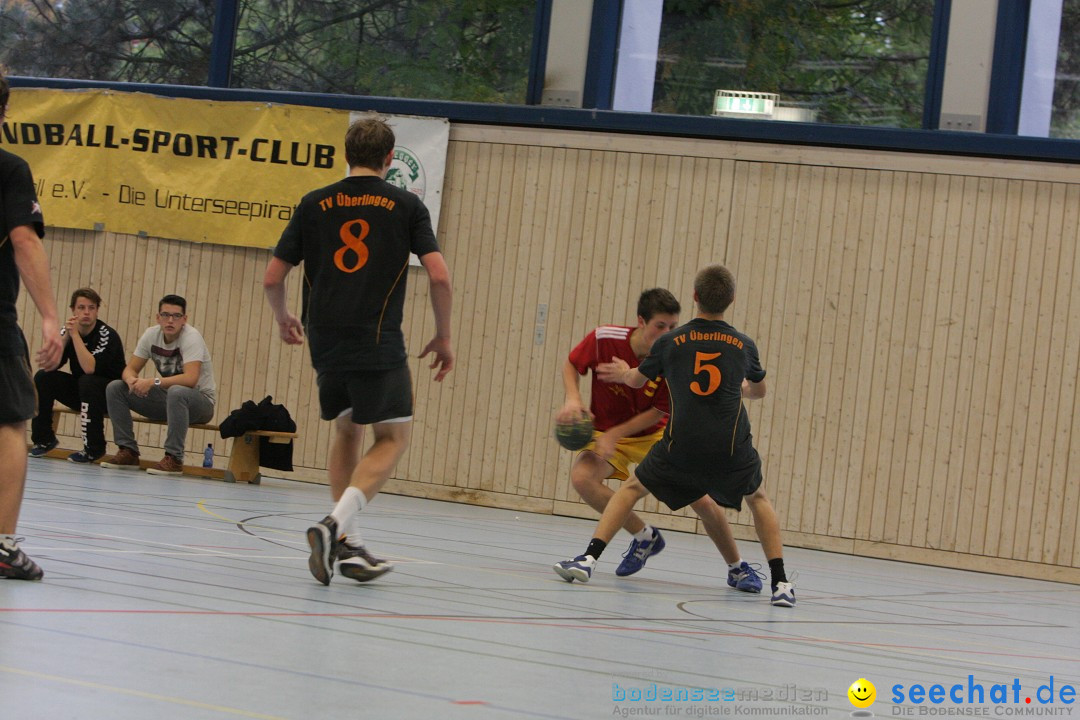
x: 646, y: 534
x: 735, y: 565
x: 8, y: 541
x: 347, y: 514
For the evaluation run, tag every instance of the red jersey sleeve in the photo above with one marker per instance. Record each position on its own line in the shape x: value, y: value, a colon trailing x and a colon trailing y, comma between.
x: 583, y: 356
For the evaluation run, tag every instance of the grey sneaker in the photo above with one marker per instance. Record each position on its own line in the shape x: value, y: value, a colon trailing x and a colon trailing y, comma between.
x: 15, y: 565
x: 323, y: 539
x: 356, y: 563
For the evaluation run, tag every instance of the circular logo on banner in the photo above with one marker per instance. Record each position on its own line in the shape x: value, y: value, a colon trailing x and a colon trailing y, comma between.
x: 407, y: 173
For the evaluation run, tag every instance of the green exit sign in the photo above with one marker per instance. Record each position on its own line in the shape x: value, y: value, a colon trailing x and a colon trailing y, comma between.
x: 742, y: 105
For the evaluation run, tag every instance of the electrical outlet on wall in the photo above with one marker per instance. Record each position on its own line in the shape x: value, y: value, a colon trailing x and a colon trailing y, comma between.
x: 561, y: 98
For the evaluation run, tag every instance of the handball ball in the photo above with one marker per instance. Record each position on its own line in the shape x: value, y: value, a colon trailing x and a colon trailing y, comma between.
x: 575, y: 434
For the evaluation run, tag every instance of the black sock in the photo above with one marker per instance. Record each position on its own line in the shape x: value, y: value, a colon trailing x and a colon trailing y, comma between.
x: 776, y: 569
x: 596, y: 546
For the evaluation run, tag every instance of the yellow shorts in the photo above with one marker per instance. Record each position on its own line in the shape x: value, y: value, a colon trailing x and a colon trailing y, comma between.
x: 631, y: 450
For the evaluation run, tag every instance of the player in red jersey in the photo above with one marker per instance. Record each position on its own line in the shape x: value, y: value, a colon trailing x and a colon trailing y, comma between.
x: 627, y: 422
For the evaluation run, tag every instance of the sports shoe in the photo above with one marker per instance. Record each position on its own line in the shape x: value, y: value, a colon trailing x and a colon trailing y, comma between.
x: 124, y: 459
x: 42, y: 449
x: 167, y: 465
x: 747, y: 578
x: 580, y: 568
x: 83, y: 457
x: 639, y: 551
x: 358, y: 564
x: 322, y: 537
x: 784, y: 595
x: 16, y: 566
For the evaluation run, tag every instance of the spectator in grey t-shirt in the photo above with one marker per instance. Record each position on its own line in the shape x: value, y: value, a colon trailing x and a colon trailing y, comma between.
x: 182, y: 394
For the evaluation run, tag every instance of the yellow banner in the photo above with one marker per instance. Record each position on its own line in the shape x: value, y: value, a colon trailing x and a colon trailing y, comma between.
x: 219, y: 172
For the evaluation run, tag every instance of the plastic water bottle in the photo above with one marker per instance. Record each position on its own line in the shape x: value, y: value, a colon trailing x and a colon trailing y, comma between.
x: 208, y: 456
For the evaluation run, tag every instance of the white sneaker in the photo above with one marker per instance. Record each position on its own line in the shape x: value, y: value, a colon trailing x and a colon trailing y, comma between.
x: 580, y: 568
x: 784, y: 595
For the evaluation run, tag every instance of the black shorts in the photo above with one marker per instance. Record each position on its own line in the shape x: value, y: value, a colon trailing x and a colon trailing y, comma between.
x: 372, y: 397
x: 677, y: 488
x: 18, y: 398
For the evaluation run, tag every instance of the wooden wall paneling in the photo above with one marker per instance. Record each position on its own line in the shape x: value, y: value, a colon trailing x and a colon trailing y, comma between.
x: 989, y: 362
x: 1047, y: 381
x: 853, y: 350
x: 1033, y: 370
x: 1064, y: 491
x: 829, y: 452
x: 553, y: 179
x: 505, y: 208
x: 522, y: 182
x: 490, y: 364
x: 790, y: 364
x: 821, y: 312
x: 929, y: 380
x: 557, y: 225
x: 1008, y: 297
x: 773, y: 419
x: 455, y: 439
x: 897, y: 401
x: 537, y: 162
x: 973, y: 278
x: 579, y: 188
x: 943, y: 370
x: 918, y: 343
x: 956, y: 368
x: 1018, y: 392
x: 864, y: 471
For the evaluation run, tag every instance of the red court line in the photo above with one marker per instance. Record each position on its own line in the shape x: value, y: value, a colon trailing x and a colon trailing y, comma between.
x: 537, y: 623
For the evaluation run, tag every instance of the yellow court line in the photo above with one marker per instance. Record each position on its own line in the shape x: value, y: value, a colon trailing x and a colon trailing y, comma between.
x: 139, y: 694
x: 202, y: 506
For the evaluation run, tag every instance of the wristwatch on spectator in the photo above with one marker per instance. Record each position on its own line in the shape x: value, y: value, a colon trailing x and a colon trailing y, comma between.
x: 157, y: 381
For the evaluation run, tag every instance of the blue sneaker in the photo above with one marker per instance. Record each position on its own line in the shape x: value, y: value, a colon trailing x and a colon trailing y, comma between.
x: 83, y: 457
x: 42, y: 449
x: 580, y: 568
x: 639, y: 551
x: 784, y: 595
x: 747, y: 578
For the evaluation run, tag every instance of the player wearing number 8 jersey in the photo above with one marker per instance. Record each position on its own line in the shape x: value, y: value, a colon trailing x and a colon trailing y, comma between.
x: 354, y: 238
x: 707, y: 448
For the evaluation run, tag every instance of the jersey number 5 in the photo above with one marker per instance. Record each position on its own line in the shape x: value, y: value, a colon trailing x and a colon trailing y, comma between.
x: 701, y: 365
x: 353, y: 241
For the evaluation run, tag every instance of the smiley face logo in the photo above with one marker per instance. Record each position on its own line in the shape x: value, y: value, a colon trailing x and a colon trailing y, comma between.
x: 862, y: 693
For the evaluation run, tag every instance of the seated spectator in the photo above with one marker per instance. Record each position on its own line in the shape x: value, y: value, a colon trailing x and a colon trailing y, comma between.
x: 95, y: 355
x: 182, y: 393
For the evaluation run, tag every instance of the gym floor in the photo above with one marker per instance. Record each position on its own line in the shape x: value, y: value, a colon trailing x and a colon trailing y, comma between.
x: 185, y: 598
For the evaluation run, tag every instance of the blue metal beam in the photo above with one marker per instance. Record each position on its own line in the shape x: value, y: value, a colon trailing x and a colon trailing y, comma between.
x: 606, y: 121
x: 1007, y: 72
x: 935, y: 70
x: 223, y: 43
x: 538, y: 54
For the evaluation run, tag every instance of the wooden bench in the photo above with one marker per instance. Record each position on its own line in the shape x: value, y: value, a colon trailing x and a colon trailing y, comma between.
x: 243, y: 462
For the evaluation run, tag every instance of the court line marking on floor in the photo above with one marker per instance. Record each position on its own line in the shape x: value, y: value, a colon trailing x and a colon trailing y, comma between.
x: 605, y: 624
x: 139, y: 694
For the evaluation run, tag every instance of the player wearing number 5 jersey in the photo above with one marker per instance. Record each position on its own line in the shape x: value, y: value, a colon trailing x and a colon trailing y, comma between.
x: 354, y: 238
x: 707, y: 448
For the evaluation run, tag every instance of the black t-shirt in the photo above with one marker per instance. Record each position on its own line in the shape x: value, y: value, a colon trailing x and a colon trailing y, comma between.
x: 354, y: 238
x: 18, y: 206
x: 704, y: 363
x: 108, y: 350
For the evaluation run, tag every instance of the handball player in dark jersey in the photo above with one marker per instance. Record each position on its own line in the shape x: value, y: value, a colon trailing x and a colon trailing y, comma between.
x: 707, y: 448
